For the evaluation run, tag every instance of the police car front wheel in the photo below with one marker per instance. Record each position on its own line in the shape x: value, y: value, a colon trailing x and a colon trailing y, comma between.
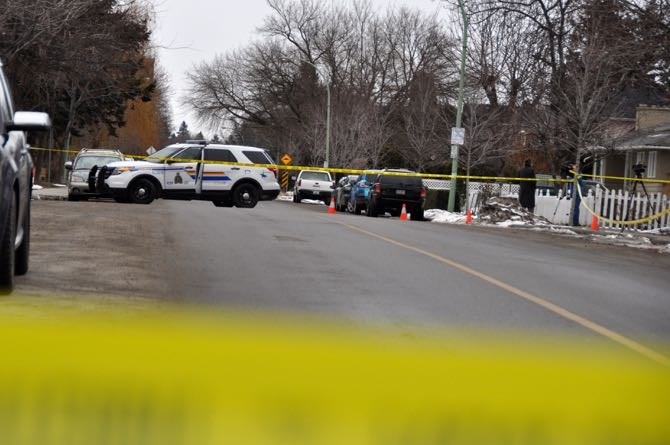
x: 246, y: 196
x: 142, y: 191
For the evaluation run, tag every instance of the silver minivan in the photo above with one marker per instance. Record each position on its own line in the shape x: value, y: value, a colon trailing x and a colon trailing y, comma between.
x: 79, y: 169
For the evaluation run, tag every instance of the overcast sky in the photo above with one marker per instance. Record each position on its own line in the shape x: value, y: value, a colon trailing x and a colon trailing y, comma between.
x: 188, y: 32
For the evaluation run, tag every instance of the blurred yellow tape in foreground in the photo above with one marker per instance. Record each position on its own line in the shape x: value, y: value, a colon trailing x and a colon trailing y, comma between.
x: 195, y: 380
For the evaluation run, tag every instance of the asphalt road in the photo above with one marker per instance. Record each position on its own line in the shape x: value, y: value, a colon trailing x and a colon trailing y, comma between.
x: 296, y: 258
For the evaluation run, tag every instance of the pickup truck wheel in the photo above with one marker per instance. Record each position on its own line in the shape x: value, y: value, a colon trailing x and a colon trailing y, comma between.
x: 296, y: 196
x: 246, y: 196
x: 371, y: 211
x: 7, y: 250
x: 416, y: 214
x: 23, y: 252
x: 142, y: 191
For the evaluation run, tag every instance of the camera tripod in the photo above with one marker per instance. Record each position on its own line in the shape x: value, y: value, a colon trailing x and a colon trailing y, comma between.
x: 638, y: 180
x: 561, y: 193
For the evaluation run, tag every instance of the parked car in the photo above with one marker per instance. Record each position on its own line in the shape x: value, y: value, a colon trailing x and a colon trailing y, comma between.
x: 391, y: 189
x: 16, y: 169
x: 313, y: 184
x: 194, y: 170
x: 86, y: 159
x: 342, y: 192
x: 358, y: 201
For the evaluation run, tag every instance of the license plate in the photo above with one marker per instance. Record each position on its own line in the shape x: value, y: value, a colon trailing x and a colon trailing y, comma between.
x: 399, y: 192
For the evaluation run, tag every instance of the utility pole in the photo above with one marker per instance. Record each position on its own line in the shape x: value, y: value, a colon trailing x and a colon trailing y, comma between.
x: 326, y: 163
x: 459, y: 109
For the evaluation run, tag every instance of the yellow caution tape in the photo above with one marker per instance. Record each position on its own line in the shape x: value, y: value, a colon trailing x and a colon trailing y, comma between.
x: 210, y: 379
x: 614, y: 221
x: 361, y: 171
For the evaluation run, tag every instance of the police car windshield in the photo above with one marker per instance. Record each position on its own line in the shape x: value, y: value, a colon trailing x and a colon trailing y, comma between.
x: 161, y: 155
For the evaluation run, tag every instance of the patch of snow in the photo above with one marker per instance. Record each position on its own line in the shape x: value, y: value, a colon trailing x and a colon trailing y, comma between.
x: 37, y: 187
x: 555, y: 229
x: 512, y: 223
x: 288, y: 196
x: 658, y: 231
x: 443, y: 216
x: 59, y: 185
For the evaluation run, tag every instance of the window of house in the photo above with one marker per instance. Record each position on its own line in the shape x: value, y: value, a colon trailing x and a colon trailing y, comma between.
x: 648, y: 158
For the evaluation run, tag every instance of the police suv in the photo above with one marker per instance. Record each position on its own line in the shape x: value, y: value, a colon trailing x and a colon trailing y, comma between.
x: 193, y: 170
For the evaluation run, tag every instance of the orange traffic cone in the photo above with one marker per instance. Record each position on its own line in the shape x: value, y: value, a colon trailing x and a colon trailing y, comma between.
x: 403, y: 213
x: 331, y: 207
x: 594, y: 223
x: 468, y: 217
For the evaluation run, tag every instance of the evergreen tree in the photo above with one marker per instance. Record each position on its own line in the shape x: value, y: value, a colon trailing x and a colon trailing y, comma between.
x: 216, y: 139
x: 200, y: 136
x: 183, y: 134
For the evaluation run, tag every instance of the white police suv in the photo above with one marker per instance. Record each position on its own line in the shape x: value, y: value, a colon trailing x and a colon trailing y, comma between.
x: 193, y: 170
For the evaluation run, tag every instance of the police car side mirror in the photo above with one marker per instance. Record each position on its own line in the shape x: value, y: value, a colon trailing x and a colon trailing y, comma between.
x: 68, y: 165
x: 293, y: 178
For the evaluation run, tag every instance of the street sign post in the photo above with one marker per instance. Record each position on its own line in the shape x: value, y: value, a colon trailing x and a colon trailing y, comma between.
x: 286, y: 159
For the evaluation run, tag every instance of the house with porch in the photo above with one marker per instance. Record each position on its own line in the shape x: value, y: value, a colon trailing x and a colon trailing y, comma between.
x: 647, y: 144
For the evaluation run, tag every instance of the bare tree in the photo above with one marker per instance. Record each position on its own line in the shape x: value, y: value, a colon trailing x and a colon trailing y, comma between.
x: 276, y: 88
x: 421, y: 121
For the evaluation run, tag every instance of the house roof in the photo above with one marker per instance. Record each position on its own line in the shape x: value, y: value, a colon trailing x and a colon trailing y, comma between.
x: 656, y: 138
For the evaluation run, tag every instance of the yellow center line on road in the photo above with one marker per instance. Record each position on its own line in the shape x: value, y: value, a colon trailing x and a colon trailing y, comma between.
x: 558, y: 310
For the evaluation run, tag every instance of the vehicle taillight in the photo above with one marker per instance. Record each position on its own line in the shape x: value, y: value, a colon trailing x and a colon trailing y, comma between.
x: 273, y: 170
x: 423, y: 192
x: 377, y: 189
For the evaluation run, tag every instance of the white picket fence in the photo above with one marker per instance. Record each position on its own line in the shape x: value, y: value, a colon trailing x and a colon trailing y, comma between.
x: 612, y: 204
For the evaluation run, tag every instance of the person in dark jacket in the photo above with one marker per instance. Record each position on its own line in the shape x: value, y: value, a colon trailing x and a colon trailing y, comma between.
x: 527, y: 188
